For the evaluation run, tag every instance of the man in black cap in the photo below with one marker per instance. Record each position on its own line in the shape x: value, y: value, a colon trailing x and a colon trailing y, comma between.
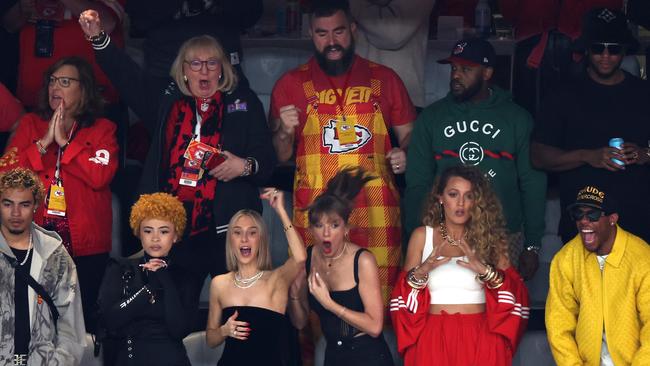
x: 598, y: 305
x: 576, y: 124
x: 478, y: 124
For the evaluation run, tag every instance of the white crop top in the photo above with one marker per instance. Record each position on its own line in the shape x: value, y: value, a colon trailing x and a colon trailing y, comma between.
x: 451, y: 283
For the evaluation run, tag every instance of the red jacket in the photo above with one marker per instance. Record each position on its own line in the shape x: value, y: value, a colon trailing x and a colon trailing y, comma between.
x: 88, y: 165
x: 507, y: 311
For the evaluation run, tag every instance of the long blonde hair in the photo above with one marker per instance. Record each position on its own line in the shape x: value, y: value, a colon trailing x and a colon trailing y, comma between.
x: 486, y: 228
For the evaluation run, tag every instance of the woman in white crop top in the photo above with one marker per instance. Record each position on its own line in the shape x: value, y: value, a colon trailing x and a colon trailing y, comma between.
x: 459, y: 301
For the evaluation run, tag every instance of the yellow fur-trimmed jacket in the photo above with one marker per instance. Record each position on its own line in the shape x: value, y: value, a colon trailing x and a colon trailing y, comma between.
x: 581, y: 300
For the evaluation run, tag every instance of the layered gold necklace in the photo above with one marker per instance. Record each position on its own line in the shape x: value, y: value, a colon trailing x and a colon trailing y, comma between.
x: 445, y: 235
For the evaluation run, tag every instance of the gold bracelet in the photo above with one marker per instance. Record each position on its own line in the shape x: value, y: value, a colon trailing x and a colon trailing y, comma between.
x: 496, y: 282
x: 286, y: 228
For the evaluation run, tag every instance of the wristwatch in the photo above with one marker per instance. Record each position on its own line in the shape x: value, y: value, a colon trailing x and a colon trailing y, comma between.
x: 533, y: 248
x: 250, y: 168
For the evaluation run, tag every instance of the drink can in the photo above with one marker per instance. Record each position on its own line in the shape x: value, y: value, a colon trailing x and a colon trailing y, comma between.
x: 617, y: 143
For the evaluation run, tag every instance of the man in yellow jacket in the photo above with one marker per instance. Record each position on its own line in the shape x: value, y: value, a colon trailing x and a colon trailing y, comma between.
x: 598, y: 305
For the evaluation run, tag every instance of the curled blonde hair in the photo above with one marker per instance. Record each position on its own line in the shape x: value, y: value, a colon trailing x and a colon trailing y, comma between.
x: 228, y: 80
x: 263, y: 252
x: 161, y: 206
x: 22, y: 178
x: 486, y: 228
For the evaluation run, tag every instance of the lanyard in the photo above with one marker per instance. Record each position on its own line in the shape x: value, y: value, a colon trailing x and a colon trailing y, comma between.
x: 340, y: 97
x: 57, y: 172
x: 197, y: 128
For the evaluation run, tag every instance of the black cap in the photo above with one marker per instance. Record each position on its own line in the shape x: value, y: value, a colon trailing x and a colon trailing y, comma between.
x: 595, y: 197
x: 602, y: 25
x: 473, y: 52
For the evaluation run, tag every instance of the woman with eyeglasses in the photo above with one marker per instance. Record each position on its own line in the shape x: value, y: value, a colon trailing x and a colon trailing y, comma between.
x: 211, y: 146
x: 74, y: 152
x: 459, y: 301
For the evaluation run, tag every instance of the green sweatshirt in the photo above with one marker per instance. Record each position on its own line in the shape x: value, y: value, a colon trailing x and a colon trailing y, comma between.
x: 494, y: 135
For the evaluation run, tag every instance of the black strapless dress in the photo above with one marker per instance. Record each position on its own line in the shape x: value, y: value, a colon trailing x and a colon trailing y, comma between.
x: 268, y: 343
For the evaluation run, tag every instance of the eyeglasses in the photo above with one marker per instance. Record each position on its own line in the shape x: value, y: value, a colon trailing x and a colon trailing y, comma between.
x: 592, y: 215
x: 63, y: 81
x: 197, y: 65
x: 612, y: 48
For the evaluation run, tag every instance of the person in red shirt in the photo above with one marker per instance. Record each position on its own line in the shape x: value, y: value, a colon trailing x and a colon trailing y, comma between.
x: 73, y: 151
x: 49, y: 31
x: 336, y: 111
x: 10, y: 109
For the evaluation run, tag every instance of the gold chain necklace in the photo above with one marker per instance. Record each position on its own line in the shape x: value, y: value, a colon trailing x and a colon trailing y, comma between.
x: 445, y: 235
x: 345, y: 245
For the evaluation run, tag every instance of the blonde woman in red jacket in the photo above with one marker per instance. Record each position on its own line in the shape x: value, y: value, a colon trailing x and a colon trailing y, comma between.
x: 73, y: 151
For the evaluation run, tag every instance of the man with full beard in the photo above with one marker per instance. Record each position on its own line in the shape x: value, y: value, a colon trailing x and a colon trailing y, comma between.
x: 478, y: 124
x: 575, y: 125
x: 336, y: 111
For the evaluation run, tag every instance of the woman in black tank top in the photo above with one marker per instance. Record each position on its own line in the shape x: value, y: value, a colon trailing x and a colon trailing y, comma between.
x: 342, y: 286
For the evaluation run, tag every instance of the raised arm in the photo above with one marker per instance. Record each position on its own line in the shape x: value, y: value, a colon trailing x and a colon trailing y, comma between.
x: 141, y: 91
x: 296, y: 260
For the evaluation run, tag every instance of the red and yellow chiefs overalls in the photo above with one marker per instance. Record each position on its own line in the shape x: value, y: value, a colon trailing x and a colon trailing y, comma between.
x: 375, y: 220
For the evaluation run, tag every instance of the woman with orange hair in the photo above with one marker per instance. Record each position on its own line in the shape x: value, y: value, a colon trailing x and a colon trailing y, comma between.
x: 141, y: 299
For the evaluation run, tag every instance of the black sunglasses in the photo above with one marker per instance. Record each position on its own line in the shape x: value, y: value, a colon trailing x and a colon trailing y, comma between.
x: 592, y: 215
x: 612, y: 48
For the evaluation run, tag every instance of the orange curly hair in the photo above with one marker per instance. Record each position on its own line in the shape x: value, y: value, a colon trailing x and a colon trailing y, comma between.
x: 162, y: 206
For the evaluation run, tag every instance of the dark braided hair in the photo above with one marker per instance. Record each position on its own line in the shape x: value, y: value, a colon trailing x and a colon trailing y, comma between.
x: 339, y: 195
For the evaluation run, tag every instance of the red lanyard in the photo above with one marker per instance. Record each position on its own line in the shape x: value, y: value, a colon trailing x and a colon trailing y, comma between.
x: 340, y: 97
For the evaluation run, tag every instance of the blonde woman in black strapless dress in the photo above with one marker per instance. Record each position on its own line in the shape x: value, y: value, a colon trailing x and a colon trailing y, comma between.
x: 248, y: 304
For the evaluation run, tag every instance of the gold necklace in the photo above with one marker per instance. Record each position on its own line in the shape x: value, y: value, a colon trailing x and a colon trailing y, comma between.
x: 345, y: 245
x: 445, y: 235
x: 247, y: 282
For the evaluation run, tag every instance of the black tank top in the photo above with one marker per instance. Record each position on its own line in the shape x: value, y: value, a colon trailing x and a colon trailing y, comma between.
x: 332, y: 326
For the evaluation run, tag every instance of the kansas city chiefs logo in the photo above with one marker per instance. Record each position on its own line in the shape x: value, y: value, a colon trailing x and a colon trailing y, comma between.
x: 331, y: 140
